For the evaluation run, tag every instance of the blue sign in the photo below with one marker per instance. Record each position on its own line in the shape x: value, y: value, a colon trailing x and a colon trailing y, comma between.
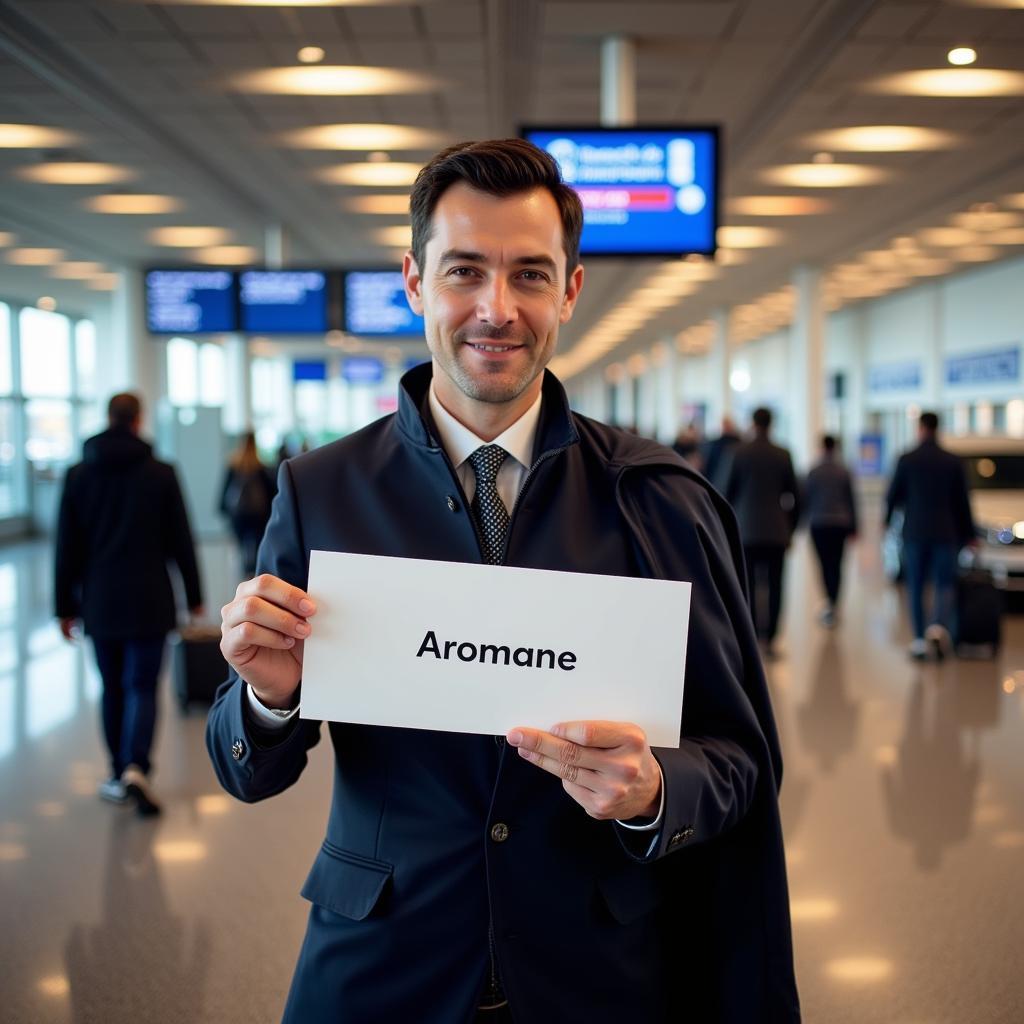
x: 894, y: 377
x: 870, y: 450
x: 315, y: 369
x: 283, y: 301
x: 190, y: 301
x: 1001, y: 366
x: 362, y: 370
x: 645, y: 191
x: 376, y: 306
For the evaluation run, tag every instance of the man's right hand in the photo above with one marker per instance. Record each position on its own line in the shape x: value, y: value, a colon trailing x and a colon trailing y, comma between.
x: 262, y: 637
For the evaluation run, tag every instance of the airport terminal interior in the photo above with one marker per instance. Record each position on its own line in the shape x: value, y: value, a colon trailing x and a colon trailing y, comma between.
x: 812, y: 206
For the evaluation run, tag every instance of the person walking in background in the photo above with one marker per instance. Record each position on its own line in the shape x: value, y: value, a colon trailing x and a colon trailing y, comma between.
x: 245, y: 499
x: 687, y: 445
x: 761, y: 486
x: 718, y: 454
x: 930, y: 486
x: 832, y: 517
x: 122, y: 519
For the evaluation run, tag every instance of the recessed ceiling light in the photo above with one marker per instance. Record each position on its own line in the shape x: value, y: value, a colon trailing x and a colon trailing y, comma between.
x: 363, y: 137
x: 1008, y: 236
x: 747, y: 237
x: 227, y: 255
x: 975, y: 253
x: 947, y: 237
x: 103, y: 282
x: 34, y: 257
x: 777, y: 206
x: 311, y: 54
x: 46, y: 302
x: 75, y: 172
x: 34, y: 136
x: 950, y: 82
x: 859, y: 969
x: 960, y: 56
x: 131, y: 203
x: 398, y: 235
x: 332, y: 80
x: 6, y: 238
x: 383, y: 203
x: 371, y: 175
x: 76, y: 270
x: 987, y: 220
x: 188, y: 237
x: 825, y: 175
x: 882, y: 138
x: 822, y: 158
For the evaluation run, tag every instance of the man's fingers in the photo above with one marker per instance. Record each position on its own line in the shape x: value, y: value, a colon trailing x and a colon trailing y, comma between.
x: 278, y: 592
x: 600, y: 734
x: 569, y: 771
x: 240, y: 638
x: 257, y: 610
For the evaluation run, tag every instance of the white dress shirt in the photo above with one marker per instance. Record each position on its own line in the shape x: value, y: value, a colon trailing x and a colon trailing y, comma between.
x: 459, y: 442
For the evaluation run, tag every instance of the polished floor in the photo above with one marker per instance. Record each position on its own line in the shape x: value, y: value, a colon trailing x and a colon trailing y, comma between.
x: 903, y: 803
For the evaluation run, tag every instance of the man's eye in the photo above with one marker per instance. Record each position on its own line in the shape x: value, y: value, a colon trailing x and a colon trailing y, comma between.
x: 461, y: 271
x: 534, y: 276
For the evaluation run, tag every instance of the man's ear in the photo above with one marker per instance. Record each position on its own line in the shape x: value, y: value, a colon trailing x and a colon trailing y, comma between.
x: 573, y: 287
x: 413, y: 283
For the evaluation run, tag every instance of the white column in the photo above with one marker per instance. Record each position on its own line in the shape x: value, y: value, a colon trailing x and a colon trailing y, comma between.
x: 237, y: 415
x: 807, y: 366
x: 137, y: 359
x: 275, y: 247
x: 625, y: 406
x: 933, y: 383
x: 720, y: 359
x: 856, y: 398
x: 647, y: 392
x: 664, y: 360
x: 618, y: 81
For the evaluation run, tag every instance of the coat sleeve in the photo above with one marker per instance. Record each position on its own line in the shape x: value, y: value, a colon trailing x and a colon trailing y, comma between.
x: 729, y: 751
x: 179, y: 541
x: 249, y: 762
x: 69, y: 556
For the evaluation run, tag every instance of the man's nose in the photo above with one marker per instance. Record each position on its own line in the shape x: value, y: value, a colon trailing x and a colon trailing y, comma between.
x: 496, y: 305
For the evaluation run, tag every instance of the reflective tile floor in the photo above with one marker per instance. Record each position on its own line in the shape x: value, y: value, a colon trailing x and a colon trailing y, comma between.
x: 903, y: 803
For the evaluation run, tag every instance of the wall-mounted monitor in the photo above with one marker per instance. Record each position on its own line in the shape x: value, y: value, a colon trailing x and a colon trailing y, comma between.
x: 284, y: 301
x: 375, y: 305
x: 646, y: 191
x: 191, y: 301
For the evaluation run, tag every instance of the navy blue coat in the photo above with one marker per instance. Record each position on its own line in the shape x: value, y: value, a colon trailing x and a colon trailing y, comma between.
x: 587, y: 923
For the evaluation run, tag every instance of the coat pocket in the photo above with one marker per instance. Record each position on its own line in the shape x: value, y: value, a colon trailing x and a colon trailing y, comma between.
x: 346, y: 883
x: 630, y: 893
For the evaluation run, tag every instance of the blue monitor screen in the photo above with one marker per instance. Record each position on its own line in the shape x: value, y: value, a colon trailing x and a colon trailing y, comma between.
x: 645, y: 191
x: 376, y: 306
x: 283, y: 301
x: 190, y: 301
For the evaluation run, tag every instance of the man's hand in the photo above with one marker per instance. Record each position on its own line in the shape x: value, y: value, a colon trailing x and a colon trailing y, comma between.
x: 262, y: 635
x: 67, y: 627
x: 606, y: 767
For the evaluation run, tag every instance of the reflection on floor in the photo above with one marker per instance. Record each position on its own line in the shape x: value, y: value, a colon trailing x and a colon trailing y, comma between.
x: 903, y: 803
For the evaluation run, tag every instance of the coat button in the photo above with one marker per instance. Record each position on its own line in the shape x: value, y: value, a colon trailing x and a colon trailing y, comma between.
x: 453, y: 505
x: 237, y: 750
x: 499, y: 832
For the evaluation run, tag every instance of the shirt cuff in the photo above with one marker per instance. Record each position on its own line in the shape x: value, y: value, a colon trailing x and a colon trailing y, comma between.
x: 656, y: 823
x: 264, y: 716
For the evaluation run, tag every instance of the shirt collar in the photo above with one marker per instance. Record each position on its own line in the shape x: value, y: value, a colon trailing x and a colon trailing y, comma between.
x: 460, y: 442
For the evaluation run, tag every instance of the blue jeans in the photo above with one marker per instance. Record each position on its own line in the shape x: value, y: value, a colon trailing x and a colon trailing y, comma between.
x: 129, y: 670
x: 926, y: 560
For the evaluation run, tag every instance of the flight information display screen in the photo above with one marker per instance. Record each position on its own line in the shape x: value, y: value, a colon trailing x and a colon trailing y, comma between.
x: 645, y: 191
x: 283, y: 301
x: 191, y: 301
x: 375, y: 305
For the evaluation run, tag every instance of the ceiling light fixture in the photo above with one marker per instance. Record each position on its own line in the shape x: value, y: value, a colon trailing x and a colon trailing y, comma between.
x: 371, y: 175
x: 332, y: 80
x: 777, y: 206
x: 397, y: 235
x: 103, y: 282
x: 188, y: 237
x: 961, y: 56
x: 227, y: 255
x: 825, y: 175
x: 310, y: 55
x: 377, y: 204
x: 363, y: 137
x: 34, y: 136
x: 75, y: 172
x: 747, y: 237
x: 76, y: 270
x: 47, y: 303
x: 950, y: 82
x: 133, y: 204
x: 882, y: 138
x: 34, y: 257
x: 6, y: 239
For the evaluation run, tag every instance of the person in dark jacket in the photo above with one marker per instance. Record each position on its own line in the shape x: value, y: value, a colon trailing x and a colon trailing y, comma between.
x: 931, y: 487
x: 245, y: 499
x: 533, y: 876
x: 718, y: 453
x: 831, y: 513
x: 122, y: 519
x: 761, y: 485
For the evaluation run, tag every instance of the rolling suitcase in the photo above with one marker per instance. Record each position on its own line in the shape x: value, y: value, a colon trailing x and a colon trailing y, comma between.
x: 197, y: 666
x: 979, y: 609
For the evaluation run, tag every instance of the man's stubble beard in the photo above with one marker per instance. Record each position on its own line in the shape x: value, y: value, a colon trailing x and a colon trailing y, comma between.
x: 494, y: 388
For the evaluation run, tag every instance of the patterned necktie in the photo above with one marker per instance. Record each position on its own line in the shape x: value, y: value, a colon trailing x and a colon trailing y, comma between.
x: 488, y: 508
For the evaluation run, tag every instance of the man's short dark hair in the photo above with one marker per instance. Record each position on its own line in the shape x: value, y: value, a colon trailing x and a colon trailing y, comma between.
x: 124, y: 409
x: 498, y: 167
x: 929, y: 421
x: 828, y: 442
x: 762, y: 418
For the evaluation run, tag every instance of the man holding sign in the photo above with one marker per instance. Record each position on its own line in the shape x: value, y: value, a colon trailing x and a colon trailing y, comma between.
x: 569, y: 873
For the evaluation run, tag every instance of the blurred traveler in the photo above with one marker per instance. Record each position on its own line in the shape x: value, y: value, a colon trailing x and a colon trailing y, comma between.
x: 688, y: 445
x: 931, y: 487
x: 122, y: 518
x: 484, y: 462
x: 762, y: 488
x: 245, y: 499
x: 832, y: 517
x: 718, y: 453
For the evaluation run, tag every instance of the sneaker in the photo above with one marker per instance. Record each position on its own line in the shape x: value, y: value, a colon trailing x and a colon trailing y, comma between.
x: 918, y: 649
x: 137, y: 788
x: 113, y: 791
x: 937, y: 638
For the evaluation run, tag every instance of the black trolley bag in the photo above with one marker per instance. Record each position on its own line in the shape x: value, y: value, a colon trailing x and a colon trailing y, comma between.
x: 197, y: 666
x: 979, y: 609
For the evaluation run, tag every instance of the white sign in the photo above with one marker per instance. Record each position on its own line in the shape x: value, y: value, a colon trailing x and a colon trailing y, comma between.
x: 482, y: 648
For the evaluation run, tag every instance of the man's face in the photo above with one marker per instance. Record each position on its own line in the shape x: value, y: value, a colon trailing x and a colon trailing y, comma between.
x: 493, y: 293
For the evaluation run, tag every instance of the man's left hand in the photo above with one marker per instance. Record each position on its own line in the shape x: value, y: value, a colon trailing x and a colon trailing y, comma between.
x: 606, y: 767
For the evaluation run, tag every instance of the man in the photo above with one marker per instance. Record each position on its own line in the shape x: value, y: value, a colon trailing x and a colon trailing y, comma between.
x: 762, y: 487
x: 718, y: 453
x: 122, y: 518
x: 832, y: 517
x: 930, y: 486
x: 573, y: 874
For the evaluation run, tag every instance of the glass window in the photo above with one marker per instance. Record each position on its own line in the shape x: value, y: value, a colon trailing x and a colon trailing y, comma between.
x: 45, y: 353
x: 49, y: 437
x: 212, y: 372
x: 5, y: 349
x: 182, y: 372
x: 85, y: 358
x: 8, y: 461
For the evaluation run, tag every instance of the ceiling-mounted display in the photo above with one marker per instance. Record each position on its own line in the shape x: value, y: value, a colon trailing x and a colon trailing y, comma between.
x: 189, y: 301
x: 284, y: 301
x: 375, y: 305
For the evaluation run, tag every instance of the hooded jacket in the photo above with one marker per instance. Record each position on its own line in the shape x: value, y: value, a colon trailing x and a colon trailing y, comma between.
x: 410, y: 890
x: 122, y: 519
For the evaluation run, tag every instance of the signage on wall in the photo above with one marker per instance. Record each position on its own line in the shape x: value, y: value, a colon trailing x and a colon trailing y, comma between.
x: 905, y: 376
x: 999, y: 366
x: 870, y: 450
x: 362, y: 370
